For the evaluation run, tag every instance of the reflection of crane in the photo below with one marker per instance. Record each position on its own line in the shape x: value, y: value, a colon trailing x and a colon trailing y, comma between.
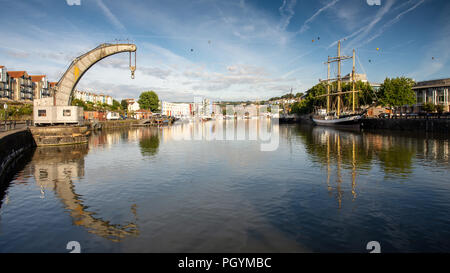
x: 81, y: 64
x: 54, y: 168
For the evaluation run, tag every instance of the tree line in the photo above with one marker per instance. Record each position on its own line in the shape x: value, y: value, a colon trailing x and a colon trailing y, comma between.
x: 395, y: 92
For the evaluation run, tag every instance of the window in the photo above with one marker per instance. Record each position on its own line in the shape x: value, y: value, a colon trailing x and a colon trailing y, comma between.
x: 42, y: 113
x: 419, y: 98
x: 66, y: 112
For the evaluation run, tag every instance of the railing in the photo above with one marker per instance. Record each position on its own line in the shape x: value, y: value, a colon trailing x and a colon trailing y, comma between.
x: 417, y: 116
x: 9, y: 125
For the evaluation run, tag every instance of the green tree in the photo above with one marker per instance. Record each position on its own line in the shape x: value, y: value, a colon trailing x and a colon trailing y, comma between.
x: 439, y: 108
x: 429, y: 107
x: 397, y: 92
x: 124, y: 104
x: 148, y: 100
x: 78, y: 102
x: 116, y: 105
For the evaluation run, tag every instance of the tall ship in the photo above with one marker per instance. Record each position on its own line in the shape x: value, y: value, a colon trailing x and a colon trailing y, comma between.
x: 335, y: 116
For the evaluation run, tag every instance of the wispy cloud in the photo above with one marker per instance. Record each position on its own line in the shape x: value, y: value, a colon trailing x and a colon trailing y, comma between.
x: 287, y: 12
x: 391, y: 22
x: 305, y: 25
x: 365, y: 30
x: 114, y: 20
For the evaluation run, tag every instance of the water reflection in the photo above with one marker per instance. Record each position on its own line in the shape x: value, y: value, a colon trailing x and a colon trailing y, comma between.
x: 54, y: 168
x: 149, y: 141
x: 350, y: 152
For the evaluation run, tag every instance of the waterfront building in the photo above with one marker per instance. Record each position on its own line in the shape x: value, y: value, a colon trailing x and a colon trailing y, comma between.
x: 5, y: 87
x: 94, y: 115
x: 216, y: 109
x: 112, y: 115
x: 142, y: 114
x: 202, y: 107
x: 133, y: 105
x: 432, y: 91
x: 21, y: 86
x: 358, y: 77
x: 375, y: 86
x: 176, y: 109
x: 92, y: 97
x: 40, y: 86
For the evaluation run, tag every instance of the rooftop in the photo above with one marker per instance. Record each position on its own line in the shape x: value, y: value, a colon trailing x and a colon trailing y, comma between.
x: 36, y: 78
x: 16, y: 74
x: 432, y: 83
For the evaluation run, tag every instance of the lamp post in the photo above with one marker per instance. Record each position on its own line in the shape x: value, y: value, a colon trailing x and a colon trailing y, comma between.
x: 5, y: 106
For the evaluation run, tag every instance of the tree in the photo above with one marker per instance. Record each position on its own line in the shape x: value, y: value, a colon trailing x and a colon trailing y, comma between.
x: 439, y: 108
x: 397, y: 92
x: 116, y: 105
x: 429, y: 107
x: 124, y: 104
x: 78, y: 102
x: 148, y: 100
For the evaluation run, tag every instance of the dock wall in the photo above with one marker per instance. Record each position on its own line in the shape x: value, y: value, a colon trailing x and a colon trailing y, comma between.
x: 427, y: 125
x: 12, y: 146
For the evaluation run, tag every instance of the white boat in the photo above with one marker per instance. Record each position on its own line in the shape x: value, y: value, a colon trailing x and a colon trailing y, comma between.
x: 353, y: 120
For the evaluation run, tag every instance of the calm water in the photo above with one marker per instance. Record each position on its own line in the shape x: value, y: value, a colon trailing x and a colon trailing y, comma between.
x: 148, y: 190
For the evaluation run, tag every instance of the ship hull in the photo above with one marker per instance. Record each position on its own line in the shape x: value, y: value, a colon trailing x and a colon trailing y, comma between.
x: 352, y: 121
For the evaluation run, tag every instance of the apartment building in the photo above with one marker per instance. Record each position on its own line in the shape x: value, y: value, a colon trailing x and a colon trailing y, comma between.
x: 133, y: 105
x: 40, y: 86
x: 432, y: 91
x: 92, y: 97
x: 176, y: 109
x: 21, y: 86
x: 5, y: 88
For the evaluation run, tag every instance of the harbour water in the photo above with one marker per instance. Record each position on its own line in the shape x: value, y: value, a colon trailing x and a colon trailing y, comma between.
x: 153, y: 190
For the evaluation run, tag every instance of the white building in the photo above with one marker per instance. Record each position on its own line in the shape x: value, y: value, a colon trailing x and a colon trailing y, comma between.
x: 358, y: 77
x: 133, y: 105
x: 92, y: 97
x: 176, y: 109
x: 202, y: 107
x: 112, y: 115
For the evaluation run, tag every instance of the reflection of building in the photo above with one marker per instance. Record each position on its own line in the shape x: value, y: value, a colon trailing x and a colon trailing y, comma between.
x: 434, y: 91
x: 54, y: 168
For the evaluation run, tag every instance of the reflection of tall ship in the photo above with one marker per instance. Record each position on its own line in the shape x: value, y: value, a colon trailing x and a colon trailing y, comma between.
x: 336, y: 117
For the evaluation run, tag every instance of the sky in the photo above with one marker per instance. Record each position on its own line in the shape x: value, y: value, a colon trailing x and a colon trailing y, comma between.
x: 226, y: 50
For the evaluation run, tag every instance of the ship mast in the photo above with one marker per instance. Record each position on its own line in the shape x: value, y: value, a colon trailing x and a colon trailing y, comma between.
x: 353, y: 83
x: 328, y: 85
x: 338, y: 79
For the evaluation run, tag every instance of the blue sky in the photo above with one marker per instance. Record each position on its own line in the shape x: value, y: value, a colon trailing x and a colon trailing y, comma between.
x: 241, y: 49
